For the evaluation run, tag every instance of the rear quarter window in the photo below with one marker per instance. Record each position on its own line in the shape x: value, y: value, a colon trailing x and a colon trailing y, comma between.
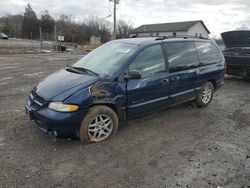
x: 208, y: 53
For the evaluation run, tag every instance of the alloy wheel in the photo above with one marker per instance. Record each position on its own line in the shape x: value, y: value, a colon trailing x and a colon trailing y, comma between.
x: 207, y: 95
x: 100, y: 127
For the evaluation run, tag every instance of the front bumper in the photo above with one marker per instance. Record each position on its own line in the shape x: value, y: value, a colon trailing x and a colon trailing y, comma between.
x: 56, y: 123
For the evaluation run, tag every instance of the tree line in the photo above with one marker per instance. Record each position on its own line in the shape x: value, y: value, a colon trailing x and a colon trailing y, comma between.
x: 27, y: 26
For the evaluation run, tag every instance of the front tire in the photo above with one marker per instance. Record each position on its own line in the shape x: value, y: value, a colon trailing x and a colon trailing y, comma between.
x: 205, y: 95
x: 100, y: 123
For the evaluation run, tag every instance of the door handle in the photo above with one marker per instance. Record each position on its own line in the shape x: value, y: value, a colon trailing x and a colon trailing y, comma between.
x: 175, y: 78
x: 164, y: 81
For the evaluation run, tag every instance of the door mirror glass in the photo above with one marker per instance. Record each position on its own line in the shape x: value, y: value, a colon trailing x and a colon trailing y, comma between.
x: 132, y: 75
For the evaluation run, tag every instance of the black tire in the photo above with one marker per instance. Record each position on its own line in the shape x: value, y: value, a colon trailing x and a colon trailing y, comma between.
x: 200, y: 100
x: 100, y: 110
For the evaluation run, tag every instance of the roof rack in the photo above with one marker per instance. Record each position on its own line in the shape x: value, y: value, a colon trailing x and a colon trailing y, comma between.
x: 180, y: 36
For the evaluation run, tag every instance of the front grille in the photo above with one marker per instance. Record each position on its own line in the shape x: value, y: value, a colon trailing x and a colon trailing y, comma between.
x: 35, y: 101
x: 238, y: 65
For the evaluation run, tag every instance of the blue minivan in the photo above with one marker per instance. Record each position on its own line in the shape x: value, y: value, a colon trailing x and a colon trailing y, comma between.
x: 123, y: 79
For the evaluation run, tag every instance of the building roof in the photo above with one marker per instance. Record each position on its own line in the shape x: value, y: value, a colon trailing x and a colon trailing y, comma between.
x: 168, y: 27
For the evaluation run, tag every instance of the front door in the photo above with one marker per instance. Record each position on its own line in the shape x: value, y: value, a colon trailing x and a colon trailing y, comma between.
x: 151, y: 91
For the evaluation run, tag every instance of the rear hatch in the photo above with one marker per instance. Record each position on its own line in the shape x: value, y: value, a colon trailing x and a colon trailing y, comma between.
x: 237, y: 53
x: 236, y: 39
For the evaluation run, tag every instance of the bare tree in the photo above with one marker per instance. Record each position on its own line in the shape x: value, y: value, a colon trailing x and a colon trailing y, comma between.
x: 99, y: 28
x: 124, y: 29
x: 65, y: 26
x: 73, y: 31
x: 12, y: 25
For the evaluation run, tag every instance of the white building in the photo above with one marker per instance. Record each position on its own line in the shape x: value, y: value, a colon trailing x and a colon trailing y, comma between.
x: 189, y: 28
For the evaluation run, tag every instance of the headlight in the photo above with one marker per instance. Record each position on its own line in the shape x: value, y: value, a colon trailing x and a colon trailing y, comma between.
x: 60, y: 107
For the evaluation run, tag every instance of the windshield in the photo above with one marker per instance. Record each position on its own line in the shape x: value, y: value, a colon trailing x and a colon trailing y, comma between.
x: 107, y: 59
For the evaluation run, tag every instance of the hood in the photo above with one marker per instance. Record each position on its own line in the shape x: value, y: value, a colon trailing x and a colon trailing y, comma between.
x: 62, y: 84
x: 236, y: 38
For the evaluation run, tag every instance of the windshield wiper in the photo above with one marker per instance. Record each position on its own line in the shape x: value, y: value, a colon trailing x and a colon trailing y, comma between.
x: 86, y: 70
x: 81, y: 69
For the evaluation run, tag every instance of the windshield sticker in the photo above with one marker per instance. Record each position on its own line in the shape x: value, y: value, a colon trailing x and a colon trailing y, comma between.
x: 122, y: 50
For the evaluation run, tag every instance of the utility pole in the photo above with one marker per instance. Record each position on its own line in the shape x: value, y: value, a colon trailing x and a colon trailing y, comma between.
x: 31, y: 38
x: 41, y: 37
x: 114, y: 19
x: 115, y: 3
x: 55, y: 32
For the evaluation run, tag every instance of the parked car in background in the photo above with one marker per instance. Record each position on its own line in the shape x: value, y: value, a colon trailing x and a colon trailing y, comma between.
x: 237, y: 52
x: 3, y: 36
x: 123, y: 79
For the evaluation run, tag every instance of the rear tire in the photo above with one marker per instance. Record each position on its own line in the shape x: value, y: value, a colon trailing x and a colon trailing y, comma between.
x: 100, y: 123
x: 205, y: 95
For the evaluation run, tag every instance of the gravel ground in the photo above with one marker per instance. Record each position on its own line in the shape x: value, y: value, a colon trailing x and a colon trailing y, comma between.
x: 182, y: 146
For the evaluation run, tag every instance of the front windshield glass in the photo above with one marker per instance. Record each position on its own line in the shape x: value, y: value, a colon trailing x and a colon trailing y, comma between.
x: 108, y: 58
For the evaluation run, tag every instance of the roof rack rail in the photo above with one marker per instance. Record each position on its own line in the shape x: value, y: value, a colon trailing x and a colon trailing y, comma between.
x: 180, y: 36
x: 162, y: 37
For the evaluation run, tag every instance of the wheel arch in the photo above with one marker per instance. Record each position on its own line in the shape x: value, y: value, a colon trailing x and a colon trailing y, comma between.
x: 213, y: 82
x: 118, y: 110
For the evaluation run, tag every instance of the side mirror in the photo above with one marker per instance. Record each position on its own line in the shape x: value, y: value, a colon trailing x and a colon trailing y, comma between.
x: 132, y: 75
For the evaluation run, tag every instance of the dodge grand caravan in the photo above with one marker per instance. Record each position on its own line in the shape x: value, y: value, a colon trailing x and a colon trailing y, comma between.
x: 123, y: 79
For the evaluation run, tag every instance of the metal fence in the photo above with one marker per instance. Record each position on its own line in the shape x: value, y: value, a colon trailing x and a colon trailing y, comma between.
x: 46, y: 42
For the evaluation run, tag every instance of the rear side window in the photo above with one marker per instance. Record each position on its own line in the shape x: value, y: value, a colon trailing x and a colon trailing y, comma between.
x: 208, y: 53
x: 181, y: 56
x: 149, y: 62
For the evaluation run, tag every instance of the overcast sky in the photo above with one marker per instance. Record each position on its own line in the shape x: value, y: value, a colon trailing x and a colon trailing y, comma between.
x: 218, y: 15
